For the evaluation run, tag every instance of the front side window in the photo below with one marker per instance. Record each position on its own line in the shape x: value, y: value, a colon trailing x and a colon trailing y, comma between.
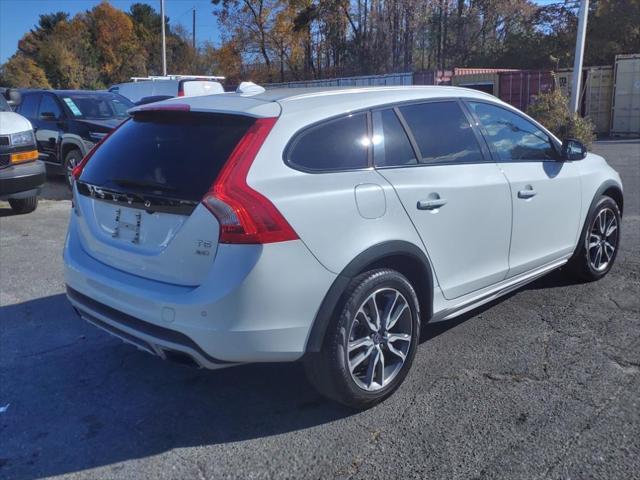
x: 97, y: 106
x: 49, y: 108
x: 442, y: 132
x: 340, y: 144
x: 391, y: 146
x: 511, y: 136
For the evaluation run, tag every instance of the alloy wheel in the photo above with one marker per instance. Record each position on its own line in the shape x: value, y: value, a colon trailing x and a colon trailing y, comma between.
x: 603, y: 239
x: 380, y: 339
x: 71, y: 164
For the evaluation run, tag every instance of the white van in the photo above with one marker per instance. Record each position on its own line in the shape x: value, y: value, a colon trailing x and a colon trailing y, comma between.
x: 22, y: 175
x: 142, y: 90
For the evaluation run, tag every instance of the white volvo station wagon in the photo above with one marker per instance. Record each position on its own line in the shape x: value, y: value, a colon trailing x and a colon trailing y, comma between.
x: 326, y: 225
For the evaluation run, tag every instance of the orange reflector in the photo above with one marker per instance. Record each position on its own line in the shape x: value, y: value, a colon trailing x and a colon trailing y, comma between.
x: 24, y: 156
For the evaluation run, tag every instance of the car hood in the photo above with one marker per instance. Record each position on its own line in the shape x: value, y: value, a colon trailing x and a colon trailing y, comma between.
x: 11, y: 122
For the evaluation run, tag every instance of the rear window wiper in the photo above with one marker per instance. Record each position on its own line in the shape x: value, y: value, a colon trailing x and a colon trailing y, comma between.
x: 123, y: 182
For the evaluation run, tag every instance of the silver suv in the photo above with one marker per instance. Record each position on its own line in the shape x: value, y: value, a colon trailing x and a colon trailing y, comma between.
x: 326, y: 225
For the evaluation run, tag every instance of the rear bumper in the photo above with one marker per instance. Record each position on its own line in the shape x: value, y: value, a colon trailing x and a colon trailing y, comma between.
x: 22, y: 180
x: 151, y: 338
x: 262, y: 311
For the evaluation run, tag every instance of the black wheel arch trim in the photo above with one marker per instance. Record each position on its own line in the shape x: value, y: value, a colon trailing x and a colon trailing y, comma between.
x: 66, y: 141
x: 607, y: 185
x: 359, y: 264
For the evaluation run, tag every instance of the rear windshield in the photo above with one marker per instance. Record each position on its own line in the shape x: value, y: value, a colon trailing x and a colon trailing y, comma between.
x: 174, y: 155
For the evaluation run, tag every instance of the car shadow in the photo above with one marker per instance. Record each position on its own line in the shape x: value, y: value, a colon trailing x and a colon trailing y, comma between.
x: 80, y: 399
x: 6, y: 211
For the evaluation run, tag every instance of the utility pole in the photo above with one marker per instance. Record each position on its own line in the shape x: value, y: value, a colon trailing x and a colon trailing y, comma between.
x: 577, y: 61
x: 164, y: 41
x: 193, y: 29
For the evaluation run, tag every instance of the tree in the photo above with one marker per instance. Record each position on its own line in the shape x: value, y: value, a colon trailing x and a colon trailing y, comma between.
x: 22, y: 72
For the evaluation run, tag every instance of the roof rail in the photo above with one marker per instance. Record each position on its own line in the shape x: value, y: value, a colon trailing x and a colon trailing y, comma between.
x: 176, y: 77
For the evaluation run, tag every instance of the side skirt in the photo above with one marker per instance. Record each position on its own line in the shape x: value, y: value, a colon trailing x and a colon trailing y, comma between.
x: 449, y: 310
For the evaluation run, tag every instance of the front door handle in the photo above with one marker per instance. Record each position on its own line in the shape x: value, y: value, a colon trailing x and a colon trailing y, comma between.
x: 431, y: 204
x: 528, y: 192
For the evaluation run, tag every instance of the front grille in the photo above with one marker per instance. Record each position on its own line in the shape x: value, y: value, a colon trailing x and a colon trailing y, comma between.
x: 4, y: 140
x: 5, y: 160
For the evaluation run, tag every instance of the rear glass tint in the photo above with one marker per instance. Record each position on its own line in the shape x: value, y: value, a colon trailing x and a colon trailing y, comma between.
x: 170, y: 154
x: 340, y: 144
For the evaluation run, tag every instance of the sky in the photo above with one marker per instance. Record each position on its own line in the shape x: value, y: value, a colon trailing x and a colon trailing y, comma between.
x: 18, y: 16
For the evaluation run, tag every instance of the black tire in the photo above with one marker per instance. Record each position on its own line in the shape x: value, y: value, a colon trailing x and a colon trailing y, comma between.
x: 583, y: 263
x: 71, y: 159
x: 329, y: 372
x: 24, y: 205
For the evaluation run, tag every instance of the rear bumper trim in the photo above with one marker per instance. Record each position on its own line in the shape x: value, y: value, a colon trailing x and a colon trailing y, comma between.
x: 144, y: 335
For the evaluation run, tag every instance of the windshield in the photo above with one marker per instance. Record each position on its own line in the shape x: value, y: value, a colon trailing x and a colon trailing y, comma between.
x: 97, y: 106
x: 4, y: 106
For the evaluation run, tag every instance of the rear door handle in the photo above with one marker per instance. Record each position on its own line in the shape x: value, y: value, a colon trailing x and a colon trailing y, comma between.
x: 431, y: 204
x: 528, y: 192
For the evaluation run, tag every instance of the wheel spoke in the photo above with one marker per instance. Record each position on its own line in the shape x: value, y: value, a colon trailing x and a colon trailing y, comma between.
x: 602, y: 222
x: 381, y: 365
x: 373, y: 306
x: 361, y: 357
x: 388, y: 311
x: 608, y: 250
x: 398, y: 337
x: 372, y: 367
x: 611, y: 228
x: 598, y: 258
x: 361, y: 342
x: 396, y: 317
x: 367, y: 320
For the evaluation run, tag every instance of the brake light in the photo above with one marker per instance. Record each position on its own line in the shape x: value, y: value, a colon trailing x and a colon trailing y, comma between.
x: 246, y: 216
x: 77, y: 170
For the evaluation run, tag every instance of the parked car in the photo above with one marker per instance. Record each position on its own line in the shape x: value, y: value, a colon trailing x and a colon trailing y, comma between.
x: 68, y: 123
x: 21, y: 174
x: 326, y: 226
x: 141, y: 88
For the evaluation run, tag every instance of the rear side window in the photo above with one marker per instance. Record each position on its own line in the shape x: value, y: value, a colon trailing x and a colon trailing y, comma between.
x: 391, y: 146
x: 340, y: 144
x: 165, y: 153
x: 442, y: 132
x: 29, y: 106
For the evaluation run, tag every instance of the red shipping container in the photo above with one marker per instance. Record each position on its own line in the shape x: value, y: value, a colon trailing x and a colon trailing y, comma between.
x: 520, y: 88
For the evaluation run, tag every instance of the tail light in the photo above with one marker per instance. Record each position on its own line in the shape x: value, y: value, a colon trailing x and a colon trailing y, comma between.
x: 246, y: 216
x: 77, y: 170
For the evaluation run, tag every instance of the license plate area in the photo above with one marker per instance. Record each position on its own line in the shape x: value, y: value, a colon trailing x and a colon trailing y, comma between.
x: 127, y: 225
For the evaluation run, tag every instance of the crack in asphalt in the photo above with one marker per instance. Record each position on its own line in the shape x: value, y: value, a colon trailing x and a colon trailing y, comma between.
x: 565, y: 450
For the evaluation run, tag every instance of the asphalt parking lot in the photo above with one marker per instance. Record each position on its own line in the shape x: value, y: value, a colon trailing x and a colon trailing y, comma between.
x: 544, y: 383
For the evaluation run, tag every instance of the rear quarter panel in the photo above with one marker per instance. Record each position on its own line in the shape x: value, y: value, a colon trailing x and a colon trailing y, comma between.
x: 321, y: 207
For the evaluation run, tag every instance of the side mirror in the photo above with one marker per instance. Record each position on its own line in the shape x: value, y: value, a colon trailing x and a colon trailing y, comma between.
x: 573, y: 149
x: 13, y: 96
